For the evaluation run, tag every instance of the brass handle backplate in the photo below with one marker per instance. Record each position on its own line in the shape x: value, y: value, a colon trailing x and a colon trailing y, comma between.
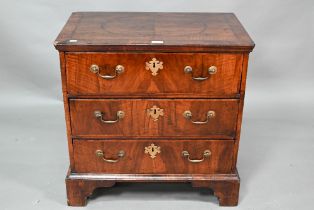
x: 188, y: 115
x: 211, y: 70
x: 96, y: 70
x: 99, y: 115
x: 206, y: 154
x: 100, y: 154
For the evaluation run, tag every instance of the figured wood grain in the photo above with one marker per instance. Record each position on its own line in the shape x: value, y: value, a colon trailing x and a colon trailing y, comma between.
x: 169, y: 160
x: 116, y: 31
x: 136, y: 80
x: 137, y: 123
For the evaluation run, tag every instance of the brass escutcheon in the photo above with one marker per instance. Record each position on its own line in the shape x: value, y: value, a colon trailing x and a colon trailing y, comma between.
x: 154, y: 65
x: 155, y: 112
x: 152, y: 150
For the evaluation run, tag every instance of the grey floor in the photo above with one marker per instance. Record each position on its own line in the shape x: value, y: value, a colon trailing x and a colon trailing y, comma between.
x: 276, y: 161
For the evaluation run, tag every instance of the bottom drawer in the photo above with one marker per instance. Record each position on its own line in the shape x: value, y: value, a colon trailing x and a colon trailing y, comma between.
x: 153, y: 156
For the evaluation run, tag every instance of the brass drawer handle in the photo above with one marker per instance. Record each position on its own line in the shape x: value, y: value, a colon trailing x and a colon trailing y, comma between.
x: 206, y: 154
x: 99, y: 115
x: 211, y: 70
x: 100, y: 154
x: 96, y: 70
x: 188, y: 115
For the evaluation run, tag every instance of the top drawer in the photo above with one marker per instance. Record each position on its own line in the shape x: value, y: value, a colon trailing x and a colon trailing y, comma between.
x: 159, y: 74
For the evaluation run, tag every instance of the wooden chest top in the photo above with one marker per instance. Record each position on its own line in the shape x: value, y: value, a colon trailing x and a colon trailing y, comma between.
x: 162, y: 32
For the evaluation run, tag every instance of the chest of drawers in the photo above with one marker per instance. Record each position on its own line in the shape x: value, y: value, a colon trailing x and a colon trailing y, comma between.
x: 153, y: 97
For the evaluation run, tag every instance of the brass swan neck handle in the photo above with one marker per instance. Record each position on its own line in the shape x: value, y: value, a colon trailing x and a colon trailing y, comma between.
x: 100, y: 154
x: 96, y: 70
x: 100, y: 116
x: 211, y: 70
x: 206, y: 154
x: 188, y: 115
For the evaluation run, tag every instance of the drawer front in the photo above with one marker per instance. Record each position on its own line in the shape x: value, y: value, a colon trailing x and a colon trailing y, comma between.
x: 139, y: 75
x: 138, y: 118
x: 148, y: 156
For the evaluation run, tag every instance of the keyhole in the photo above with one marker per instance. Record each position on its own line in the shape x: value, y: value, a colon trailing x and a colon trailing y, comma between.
x: 155, y: 111
x: 154, y: 65
x: 153, y: 149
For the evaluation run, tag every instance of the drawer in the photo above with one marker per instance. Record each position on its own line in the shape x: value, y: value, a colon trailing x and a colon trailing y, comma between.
x: 162, y: 118
x: 139, y: 75
x: 149, y: 156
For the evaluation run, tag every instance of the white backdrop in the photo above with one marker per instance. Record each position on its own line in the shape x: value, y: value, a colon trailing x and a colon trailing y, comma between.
x: 276, y: 151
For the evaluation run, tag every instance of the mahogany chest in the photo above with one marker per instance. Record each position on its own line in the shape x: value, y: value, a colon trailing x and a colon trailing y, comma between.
x: 153, y: 97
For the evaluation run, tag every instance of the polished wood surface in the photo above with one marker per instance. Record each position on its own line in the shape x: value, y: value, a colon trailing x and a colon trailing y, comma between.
x: 170, y: 81
x: 66, y: 106
x: 199, y: 40
x: 81, y: 185
x: 137, y: 123
x: 79, y: 190
x: 169, y: 160
x: 226, y: 190
x: 137, y: 31
x: 241, y: 107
